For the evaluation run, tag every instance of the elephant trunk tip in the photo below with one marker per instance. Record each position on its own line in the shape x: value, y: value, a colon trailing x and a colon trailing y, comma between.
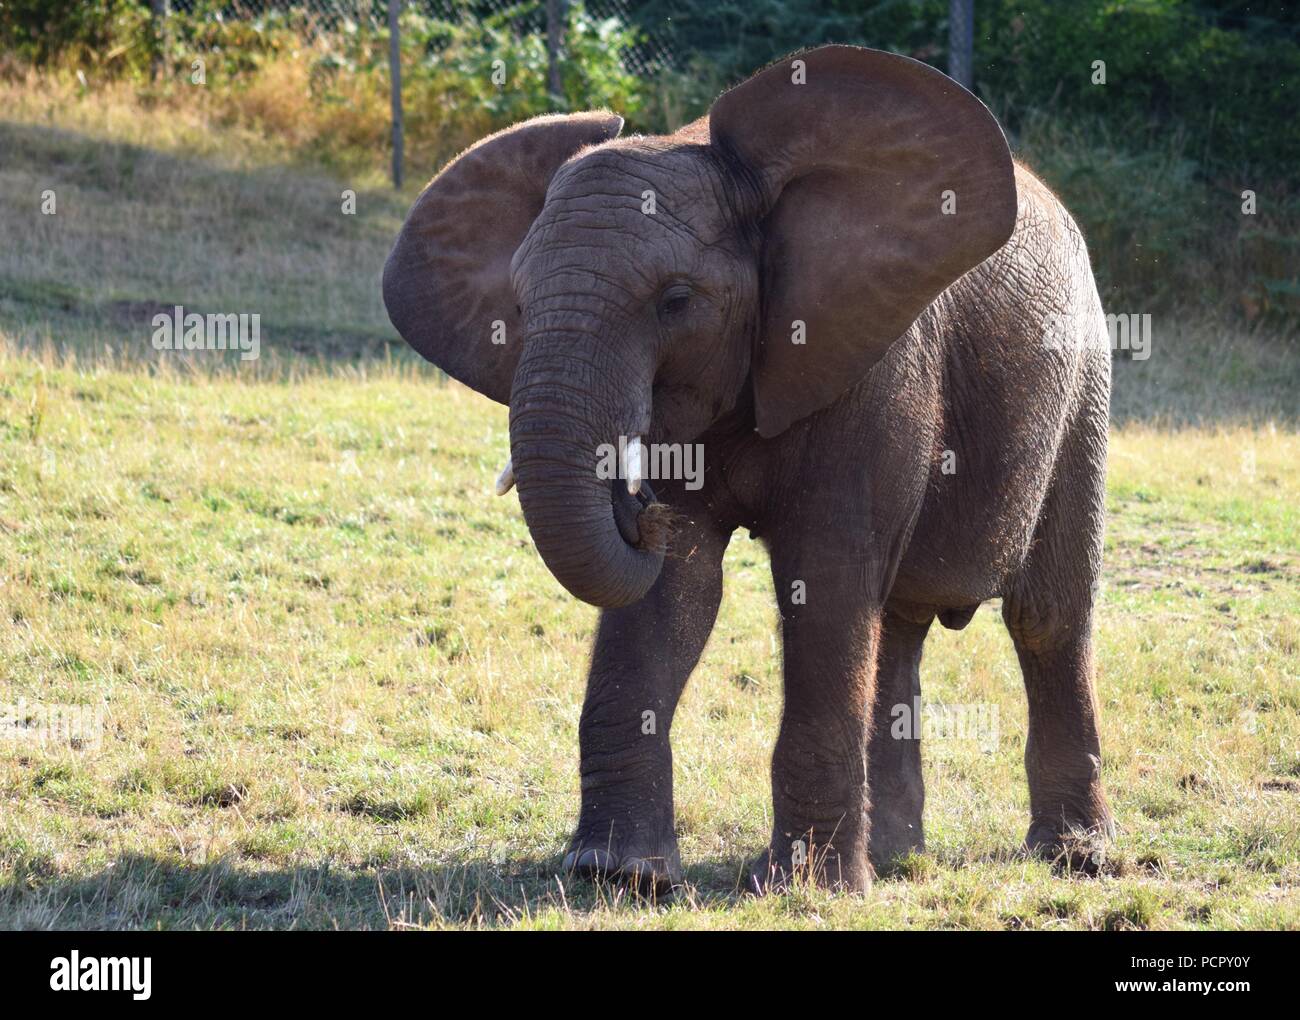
x: 656, y: 524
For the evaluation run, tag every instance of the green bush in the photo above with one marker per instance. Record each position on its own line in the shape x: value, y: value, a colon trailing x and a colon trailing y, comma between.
x: 1198, y: 105
x: 111, y: 33
x: 1224, y: 75
x: 231, y: 47
x: 493, y: 68
x: 1160, y: 235
x: 466, y: 78
x: 1227, y: 84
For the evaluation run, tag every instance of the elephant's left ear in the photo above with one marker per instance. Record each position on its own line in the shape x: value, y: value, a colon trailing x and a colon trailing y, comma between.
x: 881, y: 181
x: 447, y: 281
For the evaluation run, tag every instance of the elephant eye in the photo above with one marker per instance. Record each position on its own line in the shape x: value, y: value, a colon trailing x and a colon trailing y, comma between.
x: 675, y: 301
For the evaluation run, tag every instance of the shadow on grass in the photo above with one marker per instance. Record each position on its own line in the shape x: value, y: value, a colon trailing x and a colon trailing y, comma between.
x: 138, y: 230
x: 142, y: 891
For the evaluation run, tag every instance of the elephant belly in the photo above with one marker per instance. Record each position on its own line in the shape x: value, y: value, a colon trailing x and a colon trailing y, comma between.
x: 962, y: 552
x: 998, y: 459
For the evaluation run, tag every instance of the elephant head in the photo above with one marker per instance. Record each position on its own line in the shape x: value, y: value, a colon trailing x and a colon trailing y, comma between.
x: 640, y: 287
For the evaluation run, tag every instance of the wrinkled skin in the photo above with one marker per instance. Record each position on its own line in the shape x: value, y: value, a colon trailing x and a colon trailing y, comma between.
x: 663, y: 326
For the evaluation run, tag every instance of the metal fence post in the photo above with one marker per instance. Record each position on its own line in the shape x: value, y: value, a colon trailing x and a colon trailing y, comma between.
x: 395, y: 76
x: 158, y: 25
x: 961, y: 41
x: 554, y: 40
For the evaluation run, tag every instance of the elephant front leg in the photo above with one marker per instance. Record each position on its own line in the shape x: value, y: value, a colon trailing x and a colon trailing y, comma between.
x: 643, y: 656
x: 625, y: 825
x: 821, y: 822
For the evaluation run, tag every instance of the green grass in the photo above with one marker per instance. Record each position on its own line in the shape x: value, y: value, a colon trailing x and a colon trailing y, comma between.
x: 337, y: 686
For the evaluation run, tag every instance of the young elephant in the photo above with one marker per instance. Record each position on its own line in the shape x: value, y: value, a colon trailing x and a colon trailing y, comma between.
x: 886, y: 339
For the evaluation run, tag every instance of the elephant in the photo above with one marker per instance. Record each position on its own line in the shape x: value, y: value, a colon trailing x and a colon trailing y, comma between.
x: 884, y: 335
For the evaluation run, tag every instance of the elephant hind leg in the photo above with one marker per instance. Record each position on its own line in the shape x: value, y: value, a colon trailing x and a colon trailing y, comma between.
x: 1069, y: 817
x: 894, y: 752
x: 1048, y: 609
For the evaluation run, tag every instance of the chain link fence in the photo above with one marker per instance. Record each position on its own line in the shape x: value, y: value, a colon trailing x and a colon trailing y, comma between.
x: 650, y: 53
x: 544, y: 18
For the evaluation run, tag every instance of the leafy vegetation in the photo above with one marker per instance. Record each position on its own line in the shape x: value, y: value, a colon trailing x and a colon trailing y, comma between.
x: 1222, y: 74
x: 1196, y: 109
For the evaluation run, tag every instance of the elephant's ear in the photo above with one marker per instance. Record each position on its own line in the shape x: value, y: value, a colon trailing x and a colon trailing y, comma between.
x: 882, y: 181
x: 447, y: 279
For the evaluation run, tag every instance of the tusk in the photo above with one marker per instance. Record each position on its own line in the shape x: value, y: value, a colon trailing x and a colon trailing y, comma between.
x: 506, y: 479
x: 632, y: 468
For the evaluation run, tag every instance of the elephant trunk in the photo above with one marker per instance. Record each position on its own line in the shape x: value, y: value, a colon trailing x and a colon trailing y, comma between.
x: 566, y: 413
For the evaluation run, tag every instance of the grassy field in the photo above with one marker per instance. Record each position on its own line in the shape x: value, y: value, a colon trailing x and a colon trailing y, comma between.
x: 332, y: 684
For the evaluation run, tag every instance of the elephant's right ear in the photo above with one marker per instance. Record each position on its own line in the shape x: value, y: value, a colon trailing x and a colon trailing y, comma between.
x: 447, y: 281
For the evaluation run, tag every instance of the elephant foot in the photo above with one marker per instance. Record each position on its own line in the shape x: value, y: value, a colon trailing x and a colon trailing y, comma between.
x: 779, y: 869
x: 644, y: 872
x: 1078, y: 849
x: 892, y: 840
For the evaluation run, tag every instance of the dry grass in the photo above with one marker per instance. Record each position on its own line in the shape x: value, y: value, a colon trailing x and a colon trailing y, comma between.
x: 170, y: 217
